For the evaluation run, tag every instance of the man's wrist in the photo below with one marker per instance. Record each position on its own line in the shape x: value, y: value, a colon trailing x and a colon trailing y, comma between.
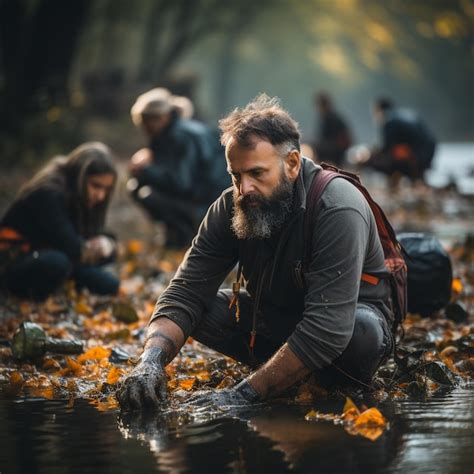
x: 245, y: 389
x: 153, y: 355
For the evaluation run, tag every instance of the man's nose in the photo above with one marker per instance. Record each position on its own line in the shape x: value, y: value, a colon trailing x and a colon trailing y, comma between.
x: 246, y: 186
x: 101, y: 195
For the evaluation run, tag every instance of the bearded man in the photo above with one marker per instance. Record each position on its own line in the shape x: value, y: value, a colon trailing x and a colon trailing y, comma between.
x: 284, y: 324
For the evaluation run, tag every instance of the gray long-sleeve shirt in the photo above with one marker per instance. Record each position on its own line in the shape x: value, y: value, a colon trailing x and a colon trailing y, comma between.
x: 317, y: 320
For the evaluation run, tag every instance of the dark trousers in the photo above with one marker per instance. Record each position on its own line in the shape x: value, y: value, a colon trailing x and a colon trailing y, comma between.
x: 37, y: 274
x: 181, y: 216
x: 370, y: 345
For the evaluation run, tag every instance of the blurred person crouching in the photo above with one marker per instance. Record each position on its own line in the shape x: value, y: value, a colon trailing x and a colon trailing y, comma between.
x: 407, y: 147
x: 182, y: 171
x: 54, y: 229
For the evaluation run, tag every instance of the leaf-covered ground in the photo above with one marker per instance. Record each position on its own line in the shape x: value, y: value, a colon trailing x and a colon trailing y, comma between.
x: 436, y: 352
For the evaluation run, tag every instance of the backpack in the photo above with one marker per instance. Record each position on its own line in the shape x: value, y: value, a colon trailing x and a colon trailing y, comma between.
x: 430, y: 273
x: 393, y: 251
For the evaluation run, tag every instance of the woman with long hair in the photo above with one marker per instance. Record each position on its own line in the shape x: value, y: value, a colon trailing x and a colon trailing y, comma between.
x: 54, y: 229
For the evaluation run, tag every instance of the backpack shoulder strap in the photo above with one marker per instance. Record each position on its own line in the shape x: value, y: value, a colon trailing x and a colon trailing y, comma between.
x: 322, y: 178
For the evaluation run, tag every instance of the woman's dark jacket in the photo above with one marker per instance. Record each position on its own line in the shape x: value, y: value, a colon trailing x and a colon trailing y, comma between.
x: 44, y: 220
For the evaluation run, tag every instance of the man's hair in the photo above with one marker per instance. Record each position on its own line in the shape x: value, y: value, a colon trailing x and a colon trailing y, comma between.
x: 384, y: 103
x: 263, y: 118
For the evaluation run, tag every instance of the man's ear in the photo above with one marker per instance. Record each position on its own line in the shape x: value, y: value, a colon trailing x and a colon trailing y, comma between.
x: 293, y: 164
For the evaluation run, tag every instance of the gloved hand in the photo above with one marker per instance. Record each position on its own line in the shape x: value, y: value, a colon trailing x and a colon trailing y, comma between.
x: 242, y: 394
x: 146, y: 386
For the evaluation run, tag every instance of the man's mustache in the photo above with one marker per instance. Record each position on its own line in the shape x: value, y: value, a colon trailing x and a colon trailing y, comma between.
x: 244, y: 202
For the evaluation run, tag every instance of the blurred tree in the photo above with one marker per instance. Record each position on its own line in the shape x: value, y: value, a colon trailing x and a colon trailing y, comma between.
x: 175, y: 26
x: 37, y: 49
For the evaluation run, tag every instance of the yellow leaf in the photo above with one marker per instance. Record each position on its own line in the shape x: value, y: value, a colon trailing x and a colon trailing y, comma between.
x: 311, y: 415
x: 114, y: 375
x: 94, y: 353
x: 350, y: 405
x: 203, y: 376
x: 371, y: 417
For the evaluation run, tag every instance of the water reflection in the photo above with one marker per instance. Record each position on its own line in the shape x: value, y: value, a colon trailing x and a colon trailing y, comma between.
x: 277, y: 435
x: 433, y: 435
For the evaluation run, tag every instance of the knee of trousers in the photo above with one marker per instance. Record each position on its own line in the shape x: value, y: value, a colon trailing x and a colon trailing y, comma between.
x: 368, y: 338
x: 55, y: 264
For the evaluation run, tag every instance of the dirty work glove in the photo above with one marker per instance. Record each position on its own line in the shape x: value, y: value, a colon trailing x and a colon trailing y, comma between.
x: 242, y: 394
x: 146, y: 386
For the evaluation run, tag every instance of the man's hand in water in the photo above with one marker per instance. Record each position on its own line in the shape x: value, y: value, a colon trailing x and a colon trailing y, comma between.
x: 242, y: 394
x: 146, y: 386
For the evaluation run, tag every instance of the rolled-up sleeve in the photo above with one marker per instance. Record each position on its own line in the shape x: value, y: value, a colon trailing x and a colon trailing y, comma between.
x: 340, y: 240
x: 213, y: 254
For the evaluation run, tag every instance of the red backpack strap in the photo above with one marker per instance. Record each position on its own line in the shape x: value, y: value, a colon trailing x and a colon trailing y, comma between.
x: 322, y: 178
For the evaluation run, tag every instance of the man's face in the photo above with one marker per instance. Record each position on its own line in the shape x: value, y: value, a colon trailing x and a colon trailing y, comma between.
x: 153, y: 125
x: 98, y: 188
x: 263, y: 189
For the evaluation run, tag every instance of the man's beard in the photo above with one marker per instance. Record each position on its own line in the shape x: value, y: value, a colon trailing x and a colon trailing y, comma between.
x: 260, y: 221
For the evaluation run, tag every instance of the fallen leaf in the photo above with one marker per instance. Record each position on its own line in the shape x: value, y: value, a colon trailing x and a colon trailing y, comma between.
x: 74, y: 366
x: 82, y: 307
x: 187, y: 384
x: 94, y: 353
x: 16, y: 383
x: 349, y: 405
x: 134, y: 246
x: 457, y: 286
x: 114, y: 375
x: 50, y: 363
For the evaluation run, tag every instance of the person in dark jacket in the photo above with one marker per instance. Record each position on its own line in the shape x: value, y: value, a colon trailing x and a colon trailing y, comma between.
x: 334, y: 136
x: 408, y: 146
x: 54, y: 229
x: 327, y: 320
x: 182, y: 171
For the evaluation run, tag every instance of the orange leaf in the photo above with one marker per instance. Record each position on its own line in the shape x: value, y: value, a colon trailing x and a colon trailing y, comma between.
x: 49, y: 363
x: 74, y: 366
x: 44, y: 392
x: 16, y: 382
x: 114, y: 375
x: 134, y: 246
x: 110, y: 404
x: 94, y: 353
x: 187, y: 384
x: 25, y: 309
x: 457, y: 286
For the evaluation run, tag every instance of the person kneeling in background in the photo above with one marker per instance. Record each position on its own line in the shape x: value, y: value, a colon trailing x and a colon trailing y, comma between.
x: 54, y: 229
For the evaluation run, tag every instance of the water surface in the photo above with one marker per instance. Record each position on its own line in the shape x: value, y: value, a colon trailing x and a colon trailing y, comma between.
x: 434, y: 436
